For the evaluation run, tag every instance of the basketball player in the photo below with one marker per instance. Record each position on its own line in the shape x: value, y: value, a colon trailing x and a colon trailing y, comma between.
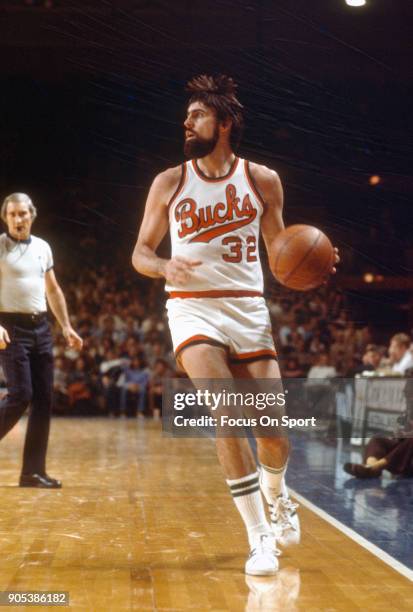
x: 214, y: 206
x: 26, y: 279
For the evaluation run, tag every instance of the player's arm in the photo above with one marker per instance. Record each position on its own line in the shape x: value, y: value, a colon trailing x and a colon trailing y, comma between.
x: 154, y: 226
x: 4, y: 338
x: 270, y: 189
x: 57, y: 303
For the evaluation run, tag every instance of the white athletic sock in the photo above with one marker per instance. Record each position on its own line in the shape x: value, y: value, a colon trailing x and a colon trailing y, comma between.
x: 247, y: 498
x: 272, y: 481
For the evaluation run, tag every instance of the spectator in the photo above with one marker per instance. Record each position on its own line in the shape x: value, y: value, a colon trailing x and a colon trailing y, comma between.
x: 131, y: 330
x: 61, y: 400
x: 110, y: 370
x: 392, y: 454
x: 292, y: 368
x: 372, y: 358
x: 80, y: 389
x: 285, y: 330
x: 322, y: 369
x: 159, y: 372
x: 401, y: 359
x: 134, y: 383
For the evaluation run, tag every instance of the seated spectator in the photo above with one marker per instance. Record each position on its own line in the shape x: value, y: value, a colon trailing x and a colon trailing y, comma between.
x: 322, y: 369
x: 316, y: 347
x: 362, y: 338
x: 80, y: 389
x: 338, y: 348
x: 110, y: 371
x: 401, y: 359
x: 157, y: 350
x: 130, y: 347
x: 159, y: 372
x: 131, y: 330
x: 285, y: 330
x: 293, y: 343
x: 104, y: 346
x: 392, y: 454
x: 152, y: 323
x: 371, y: 358
x: 109, y: 317
x: 134, y: 383
x: 61, y: 400
x: 292, y: 368
x: 107, y: 329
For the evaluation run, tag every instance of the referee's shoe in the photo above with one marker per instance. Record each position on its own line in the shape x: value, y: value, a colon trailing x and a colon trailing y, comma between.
x: 39, y: 481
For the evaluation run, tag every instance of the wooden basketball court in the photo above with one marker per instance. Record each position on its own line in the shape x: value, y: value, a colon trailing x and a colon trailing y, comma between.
x: 145, y: 522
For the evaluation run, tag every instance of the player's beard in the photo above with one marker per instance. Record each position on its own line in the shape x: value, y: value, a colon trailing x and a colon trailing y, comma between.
x: 196, y: 147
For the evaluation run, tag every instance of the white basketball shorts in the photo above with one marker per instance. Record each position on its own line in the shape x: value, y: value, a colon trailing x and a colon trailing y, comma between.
x: 241, y: 324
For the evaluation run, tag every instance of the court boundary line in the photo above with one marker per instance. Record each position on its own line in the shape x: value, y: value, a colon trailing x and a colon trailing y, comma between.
x: 356, y: 537
x: 378, y: 552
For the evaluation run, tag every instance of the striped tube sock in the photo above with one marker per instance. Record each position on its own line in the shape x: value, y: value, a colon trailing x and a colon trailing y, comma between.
x: 248, y: 500
x: 272, y: 482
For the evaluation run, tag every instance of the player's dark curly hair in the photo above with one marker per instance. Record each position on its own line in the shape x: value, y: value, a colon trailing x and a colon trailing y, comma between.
x: 219, y: 93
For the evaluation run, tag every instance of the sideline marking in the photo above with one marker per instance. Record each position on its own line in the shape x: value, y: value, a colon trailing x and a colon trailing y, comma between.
x: 375, y: 550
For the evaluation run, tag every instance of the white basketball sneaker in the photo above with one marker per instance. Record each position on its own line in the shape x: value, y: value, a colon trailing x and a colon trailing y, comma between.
x: 284, y: 521
x: 263, y: 559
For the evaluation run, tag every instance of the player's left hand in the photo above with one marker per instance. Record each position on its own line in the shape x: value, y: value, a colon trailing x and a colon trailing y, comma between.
x: 336, y: 261
x: 333, y: 269
x: 72, y: 338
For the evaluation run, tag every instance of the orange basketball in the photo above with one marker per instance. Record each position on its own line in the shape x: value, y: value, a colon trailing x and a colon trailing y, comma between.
x: 301, y: 257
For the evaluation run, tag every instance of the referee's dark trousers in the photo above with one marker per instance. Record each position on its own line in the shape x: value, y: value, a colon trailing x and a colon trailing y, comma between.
x: 28, y: 368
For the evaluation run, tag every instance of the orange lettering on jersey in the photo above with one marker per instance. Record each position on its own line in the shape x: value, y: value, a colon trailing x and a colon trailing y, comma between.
x: 217, y: 216
x: 220, y: 218
x: 205, y: 216
x: 185, y: 213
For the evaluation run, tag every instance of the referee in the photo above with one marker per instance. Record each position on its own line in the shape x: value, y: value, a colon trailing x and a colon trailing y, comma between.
x: 26, y: 279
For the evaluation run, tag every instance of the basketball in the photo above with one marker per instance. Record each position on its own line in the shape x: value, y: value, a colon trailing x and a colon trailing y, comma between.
x: 301, y: 257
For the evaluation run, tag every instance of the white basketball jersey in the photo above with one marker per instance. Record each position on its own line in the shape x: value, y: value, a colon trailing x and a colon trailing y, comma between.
x: 217, y: 221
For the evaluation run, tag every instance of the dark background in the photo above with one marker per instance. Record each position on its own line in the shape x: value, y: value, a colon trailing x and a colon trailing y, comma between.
x: 92, y: 105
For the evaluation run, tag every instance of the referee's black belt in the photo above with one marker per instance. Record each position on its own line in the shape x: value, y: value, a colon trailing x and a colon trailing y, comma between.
x: 24, y: 319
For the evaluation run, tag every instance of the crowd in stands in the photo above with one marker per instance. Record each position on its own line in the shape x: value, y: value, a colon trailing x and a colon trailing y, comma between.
x: 316, y: 326
x: 127, y: 348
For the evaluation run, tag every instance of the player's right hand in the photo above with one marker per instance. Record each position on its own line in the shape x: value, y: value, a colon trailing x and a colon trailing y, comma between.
x: 4, y: 338
x: 178, y: 270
